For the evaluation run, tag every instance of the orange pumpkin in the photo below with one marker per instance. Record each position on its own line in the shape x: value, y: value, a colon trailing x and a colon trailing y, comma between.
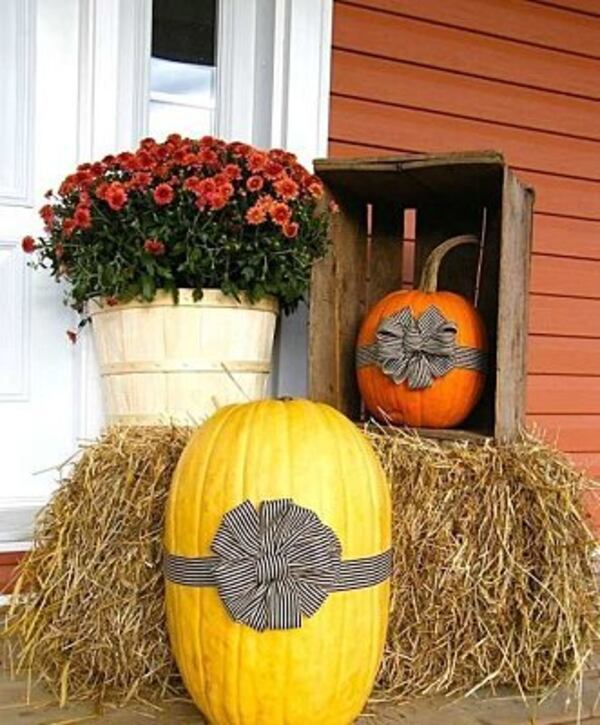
x: 421, y: 353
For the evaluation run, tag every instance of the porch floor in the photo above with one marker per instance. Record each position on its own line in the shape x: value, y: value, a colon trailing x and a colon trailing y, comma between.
x: 504, y: 709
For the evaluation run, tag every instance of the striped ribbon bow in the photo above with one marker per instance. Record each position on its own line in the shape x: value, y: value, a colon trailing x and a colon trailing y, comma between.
x: 418, y: 349
x: 275, y: 565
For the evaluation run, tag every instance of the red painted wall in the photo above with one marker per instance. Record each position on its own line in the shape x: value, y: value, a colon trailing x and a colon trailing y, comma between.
x: 522, y: 78
x: 8, y: 566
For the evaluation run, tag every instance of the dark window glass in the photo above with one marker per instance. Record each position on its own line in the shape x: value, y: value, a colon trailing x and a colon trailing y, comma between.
x: 184, y: 30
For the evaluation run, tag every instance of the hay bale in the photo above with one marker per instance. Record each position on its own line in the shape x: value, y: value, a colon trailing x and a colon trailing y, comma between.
x: 493, y: 575
x: 89, y: 618
x: 493, y: 578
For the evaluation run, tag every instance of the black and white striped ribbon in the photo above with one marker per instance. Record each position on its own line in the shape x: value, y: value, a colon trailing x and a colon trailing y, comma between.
x: 418, y: 349
x: 275, y: 565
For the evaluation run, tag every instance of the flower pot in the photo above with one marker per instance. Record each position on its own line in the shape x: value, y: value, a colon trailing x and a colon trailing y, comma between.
x: 163, y: 362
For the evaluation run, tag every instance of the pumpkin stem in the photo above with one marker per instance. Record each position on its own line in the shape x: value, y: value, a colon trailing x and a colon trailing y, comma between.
x: 431, y: 268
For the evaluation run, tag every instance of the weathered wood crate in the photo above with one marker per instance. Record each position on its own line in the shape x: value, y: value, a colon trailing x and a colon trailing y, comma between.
x: 450, y: 194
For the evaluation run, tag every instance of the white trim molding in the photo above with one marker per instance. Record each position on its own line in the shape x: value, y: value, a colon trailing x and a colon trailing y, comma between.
x: 300, y: 123
x: 17, y: 83
x: 15, y: 348
x: 17, y: 516
x: 236, y: 42
x: 114, y: 65
x: 301, y: 77
x: 114, y: 62
x: 273, y: 73
x: 89, y: 408
x: 15, y: 547
x: 273, y: 83
x: 135, y: 48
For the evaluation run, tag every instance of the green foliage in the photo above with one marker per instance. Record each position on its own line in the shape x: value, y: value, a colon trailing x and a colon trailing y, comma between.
x: 184, y: 214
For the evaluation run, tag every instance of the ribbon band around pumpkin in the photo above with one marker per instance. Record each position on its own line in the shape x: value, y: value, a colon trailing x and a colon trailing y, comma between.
x: 275, y: 565
x: 353, y: 574
x: 419, y: 349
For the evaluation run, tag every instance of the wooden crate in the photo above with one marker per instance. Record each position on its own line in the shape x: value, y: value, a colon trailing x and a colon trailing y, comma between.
x: 450, y: 194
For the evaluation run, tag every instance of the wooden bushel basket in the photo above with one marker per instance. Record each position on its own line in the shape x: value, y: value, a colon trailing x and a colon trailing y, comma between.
x: 163, y: 362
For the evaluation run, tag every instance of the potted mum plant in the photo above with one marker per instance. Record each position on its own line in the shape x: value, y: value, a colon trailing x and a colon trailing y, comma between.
x: 182, y: 253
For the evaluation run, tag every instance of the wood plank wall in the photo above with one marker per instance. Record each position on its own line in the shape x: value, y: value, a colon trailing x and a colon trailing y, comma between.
x: 522, y: 77
x: 8, y: 566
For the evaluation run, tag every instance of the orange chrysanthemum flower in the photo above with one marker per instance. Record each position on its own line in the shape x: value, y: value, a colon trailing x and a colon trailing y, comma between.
x: 291, y: 229
x: 280, y: 213
x: 28, y: 244
x: 256, y: 214
x: 286, y: 188
x: 257, y: 161
x: 154, y: 247
x: 273, y: 170
x: 255, y: 183
x: 82, y: 217
x: 163, y: 194
x: 115, y: 196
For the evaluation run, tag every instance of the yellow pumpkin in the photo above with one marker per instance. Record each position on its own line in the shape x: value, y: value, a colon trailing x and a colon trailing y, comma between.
x: 322, y: 671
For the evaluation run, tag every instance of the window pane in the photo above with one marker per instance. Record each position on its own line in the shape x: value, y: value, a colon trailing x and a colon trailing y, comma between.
x: 165, y: 118
x: 184, y: 30
x: 182, y: 68
x: 191, y: 84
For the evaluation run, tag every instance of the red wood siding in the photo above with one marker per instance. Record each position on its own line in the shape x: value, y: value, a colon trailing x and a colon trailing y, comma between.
x: 520, y: 77
x: 8, y: 565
